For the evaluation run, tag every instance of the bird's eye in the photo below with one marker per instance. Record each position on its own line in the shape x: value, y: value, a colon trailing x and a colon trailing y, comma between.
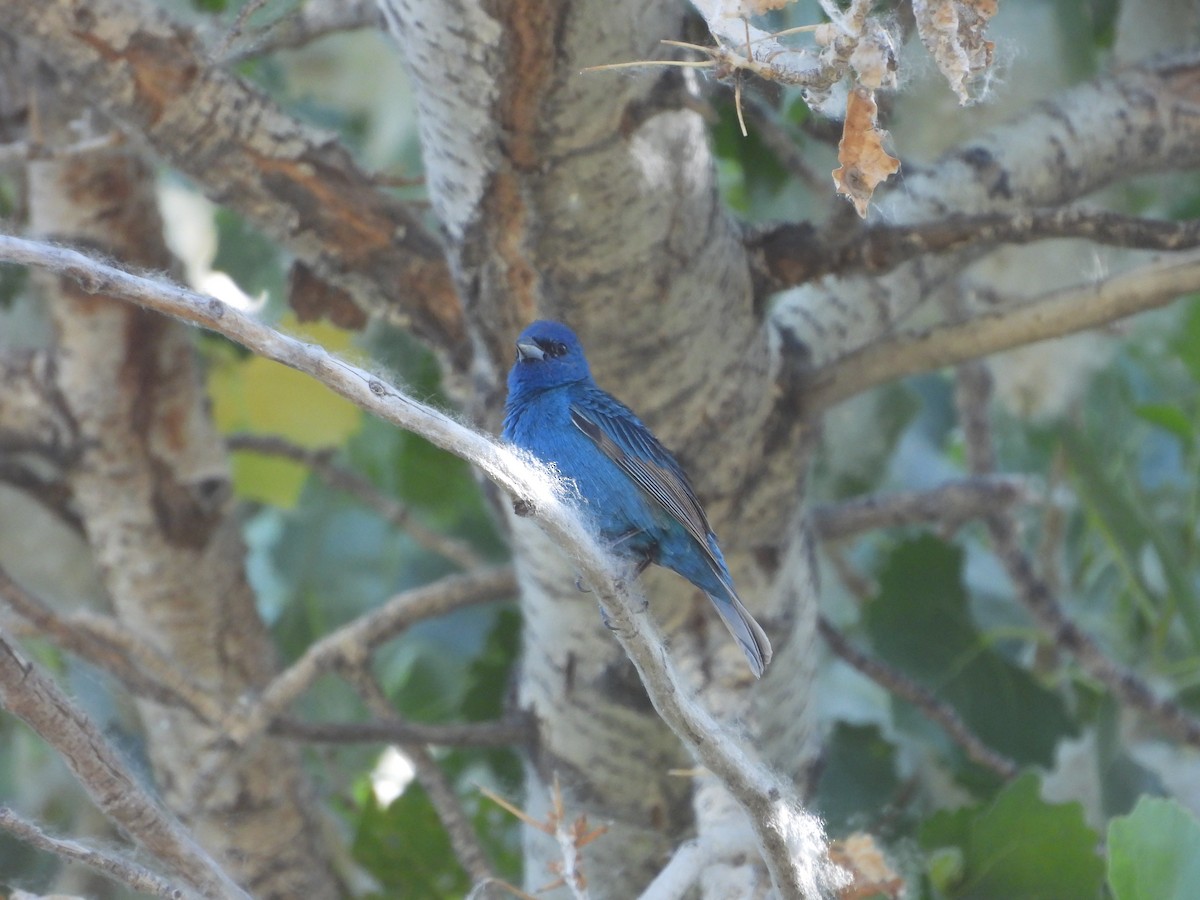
x: 557, y: 349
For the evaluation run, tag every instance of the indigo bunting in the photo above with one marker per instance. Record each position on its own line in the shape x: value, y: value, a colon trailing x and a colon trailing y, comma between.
x: 632, y: 489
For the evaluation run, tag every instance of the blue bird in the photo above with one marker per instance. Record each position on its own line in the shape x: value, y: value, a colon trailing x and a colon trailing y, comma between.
x: 635, y: 493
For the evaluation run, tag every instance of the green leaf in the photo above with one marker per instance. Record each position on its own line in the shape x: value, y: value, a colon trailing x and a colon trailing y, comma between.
x: 1154, y: 852
x: 1186, y: 342
x: 1120, y: 514
x: 920, y: 623
x: 859, y: 777
x: 406, y: 849
x: 1016, y: 846
x: 1170, y: 418
x: 488, y: 676
x: 750, y: 174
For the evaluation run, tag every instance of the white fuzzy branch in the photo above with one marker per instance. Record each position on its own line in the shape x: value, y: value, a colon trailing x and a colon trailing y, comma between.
x: 792, y: 841
x: 114, y: 866
x: 37, y: 700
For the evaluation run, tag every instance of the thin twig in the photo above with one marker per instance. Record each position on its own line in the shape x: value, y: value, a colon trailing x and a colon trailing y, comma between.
x: 343, y: 479
x: 37, y: 700
x: 463, y: 838
x: 791, y: 840
x: 109, y: 864
x: 972, y: 397
x: 112, y: 647
x: 919, y: 696
x: 356, y: 639
x: 514, y: 730
x: 796, y: 253
x: 571, y: 835
x: 307, y: 23
x: 236, y: 28
x: 1055, y: 314
x: 950, y: 505
x: 52, y: 494
x: 860, y: 586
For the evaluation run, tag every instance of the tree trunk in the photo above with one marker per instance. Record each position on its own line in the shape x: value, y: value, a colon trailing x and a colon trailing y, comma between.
x: 151, y: 487
x: 591, y: 198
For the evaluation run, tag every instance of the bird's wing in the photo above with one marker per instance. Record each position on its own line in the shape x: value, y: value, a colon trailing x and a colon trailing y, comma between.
x: 627, y: 442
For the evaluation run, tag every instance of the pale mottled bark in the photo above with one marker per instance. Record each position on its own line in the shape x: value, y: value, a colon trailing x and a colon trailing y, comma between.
x: 28, y: 694
x: 591, y: 198
x: 153, y: 78
x: 151, y: 487
x: 1139, y: 120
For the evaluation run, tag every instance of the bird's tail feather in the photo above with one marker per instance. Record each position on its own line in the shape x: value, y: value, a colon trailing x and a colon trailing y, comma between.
x: 747, y: 632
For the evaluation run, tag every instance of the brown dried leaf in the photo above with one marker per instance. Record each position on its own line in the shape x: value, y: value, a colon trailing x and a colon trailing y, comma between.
x: 864, y: 162
x: 861, y: 856
x: 952, y: 32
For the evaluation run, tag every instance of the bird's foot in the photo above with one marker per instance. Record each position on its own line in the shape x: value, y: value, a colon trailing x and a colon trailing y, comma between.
x: 580, y: 586
x: 522, y: 508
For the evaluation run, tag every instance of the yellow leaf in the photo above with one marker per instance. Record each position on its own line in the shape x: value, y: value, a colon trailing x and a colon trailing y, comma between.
x: 258, y: 396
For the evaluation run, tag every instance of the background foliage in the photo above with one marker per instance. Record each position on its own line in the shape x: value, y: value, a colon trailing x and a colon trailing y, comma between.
x: 1107, y: 427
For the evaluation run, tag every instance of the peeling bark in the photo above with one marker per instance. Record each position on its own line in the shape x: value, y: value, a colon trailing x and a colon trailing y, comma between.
x: 151, y: 487
x: 591, y: 198
x: 152, y: 76
x: 1139, y: 120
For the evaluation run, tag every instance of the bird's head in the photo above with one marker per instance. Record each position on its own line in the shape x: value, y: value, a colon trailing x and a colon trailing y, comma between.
x: 548, y: 355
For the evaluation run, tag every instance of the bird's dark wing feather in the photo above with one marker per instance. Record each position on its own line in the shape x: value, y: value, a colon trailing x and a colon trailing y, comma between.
x: 638, y: 453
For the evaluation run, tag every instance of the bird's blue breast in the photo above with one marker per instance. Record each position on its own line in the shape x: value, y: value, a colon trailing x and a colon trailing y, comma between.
x: 541, y: 424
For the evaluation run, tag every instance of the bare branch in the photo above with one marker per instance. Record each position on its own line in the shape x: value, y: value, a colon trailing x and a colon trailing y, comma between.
x: 298, y: 185
x: 514, y: 730
x: 971, y: 397
x: 949, y: 504
x: 1063, y: 149
x: 343, y: 479
x: 463, y: 839
x: 744, y: 47
x: 116, y: 867
x: 356, y: 639
x: 33, y: 417
x: 787, y: 255
x: 239, y: 24
x: 570, y: 836
x: 792, y: 840
x: 919, y: 696
x: 51, y: 493
x: 37, y: 701
x: 108, y: 645
x: 1055, y: 314
x: 680, y: 873
x: 307, y: 23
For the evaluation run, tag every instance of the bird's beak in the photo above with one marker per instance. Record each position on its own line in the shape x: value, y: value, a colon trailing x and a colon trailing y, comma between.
x: 529, y: 350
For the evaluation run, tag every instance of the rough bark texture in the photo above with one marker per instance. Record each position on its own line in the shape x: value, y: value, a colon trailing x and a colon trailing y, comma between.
x: 1140, y: 120
x: 154, y: 79
x: 591, y: 198
x: 585, y: 197
x: 151, y: 487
